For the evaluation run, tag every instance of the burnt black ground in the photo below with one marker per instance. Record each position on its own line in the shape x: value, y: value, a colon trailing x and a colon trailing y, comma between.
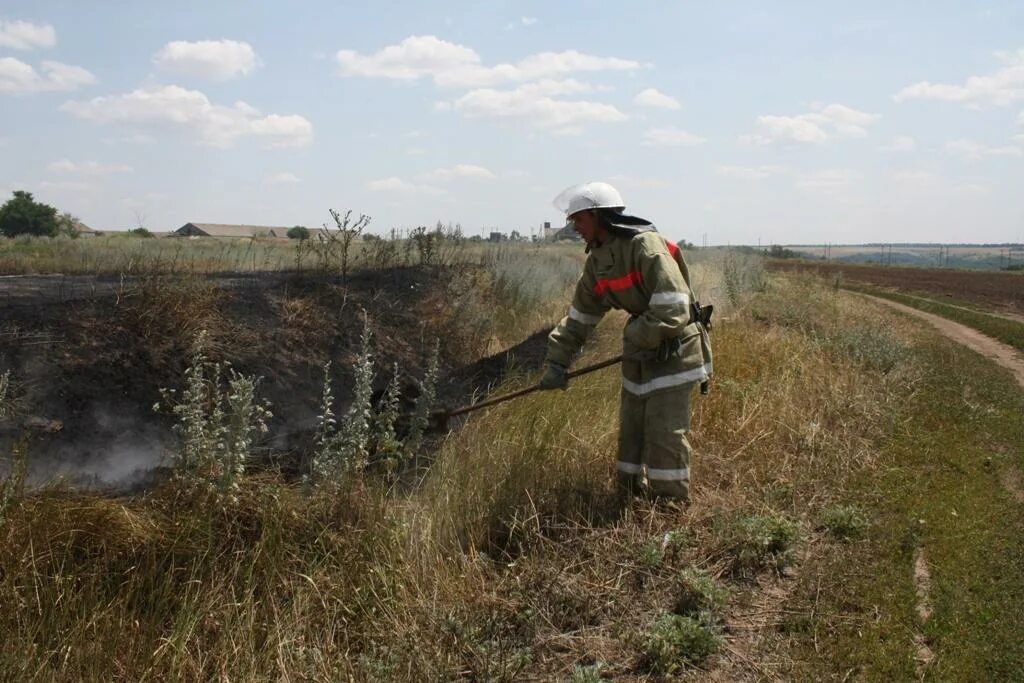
x: 88, y: 356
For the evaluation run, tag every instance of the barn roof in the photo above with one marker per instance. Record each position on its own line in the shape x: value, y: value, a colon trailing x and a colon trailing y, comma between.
x: 227, y: 230
x: 81, y: 228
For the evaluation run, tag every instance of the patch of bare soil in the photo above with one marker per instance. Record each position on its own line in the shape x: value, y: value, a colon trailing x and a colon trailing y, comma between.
x: 92, y: 357
x: 923, y: 583
x: 753, y: 629
x: 1014, y: 484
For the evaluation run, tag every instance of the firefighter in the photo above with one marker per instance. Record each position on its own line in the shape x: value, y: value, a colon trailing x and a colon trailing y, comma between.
x: 666, y: 349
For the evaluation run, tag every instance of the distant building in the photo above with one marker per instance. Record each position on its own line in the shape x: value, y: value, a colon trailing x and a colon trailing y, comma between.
x: 80, y: 229
x: 224, y: 230
x: 496, y: 237
x: 566, y: 233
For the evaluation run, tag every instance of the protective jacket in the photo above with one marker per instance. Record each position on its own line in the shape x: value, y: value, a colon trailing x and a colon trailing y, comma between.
x: 640, y: 272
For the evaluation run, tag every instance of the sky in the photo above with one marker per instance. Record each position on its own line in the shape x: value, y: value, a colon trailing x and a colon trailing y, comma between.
x: 724, y: 123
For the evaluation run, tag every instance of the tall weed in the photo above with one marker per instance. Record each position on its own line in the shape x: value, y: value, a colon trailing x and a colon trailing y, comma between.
x: 5, y: 387
x: 219, y: 419
x: 742, y: 273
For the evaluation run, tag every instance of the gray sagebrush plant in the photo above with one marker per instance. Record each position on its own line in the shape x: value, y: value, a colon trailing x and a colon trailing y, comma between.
x: 424, y: 402
x: 5, y: 387
x: 218, y: 423
x: 13, y: 487
x: 387, y: 444
x: 355, y: 430
x: 326, y: 457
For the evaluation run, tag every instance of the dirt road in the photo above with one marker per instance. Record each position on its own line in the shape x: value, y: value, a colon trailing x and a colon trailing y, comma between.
x: 1001, y: 353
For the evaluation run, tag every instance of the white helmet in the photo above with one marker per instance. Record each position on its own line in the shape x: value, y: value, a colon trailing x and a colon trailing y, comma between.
x: 594, y: 195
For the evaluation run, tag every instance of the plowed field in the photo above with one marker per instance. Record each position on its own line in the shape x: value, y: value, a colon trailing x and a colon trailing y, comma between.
x: 992, y: 290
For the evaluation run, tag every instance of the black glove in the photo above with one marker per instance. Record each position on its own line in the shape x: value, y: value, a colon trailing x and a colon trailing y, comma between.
x: 554, y: 378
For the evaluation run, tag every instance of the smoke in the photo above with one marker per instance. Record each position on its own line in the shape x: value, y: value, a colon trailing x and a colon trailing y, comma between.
x: 119, y: 451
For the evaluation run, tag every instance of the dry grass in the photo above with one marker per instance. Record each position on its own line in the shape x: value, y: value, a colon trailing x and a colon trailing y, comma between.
x: 512, y: 560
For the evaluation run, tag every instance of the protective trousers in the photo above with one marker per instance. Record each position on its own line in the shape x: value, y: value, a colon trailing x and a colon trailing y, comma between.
x: 652, y: 434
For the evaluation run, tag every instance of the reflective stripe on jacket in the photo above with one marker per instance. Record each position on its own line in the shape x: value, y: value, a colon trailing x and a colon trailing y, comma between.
x: 646, y: 276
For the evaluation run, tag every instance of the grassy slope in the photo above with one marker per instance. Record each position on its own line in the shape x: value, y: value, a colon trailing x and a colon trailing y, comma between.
x: 511, y: 560
x: 959, y: 434
x: 1007, y: 331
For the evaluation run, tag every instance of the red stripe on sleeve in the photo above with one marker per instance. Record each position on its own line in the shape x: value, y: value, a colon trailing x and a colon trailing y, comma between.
x: 673, y: 249
x: 619, y: 283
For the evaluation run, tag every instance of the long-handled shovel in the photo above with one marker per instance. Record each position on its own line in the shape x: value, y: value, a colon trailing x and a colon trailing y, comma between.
x: 442, y: 417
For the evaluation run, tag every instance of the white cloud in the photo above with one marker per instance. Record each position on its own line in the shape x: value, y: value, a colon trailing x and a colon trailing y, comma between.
x: 555, y: 88
x: 415, y: 151
x: 796, y: 128
x: 67, y: 185
x: 24, y: 35
x: 523, y: 21
x: 93, y: 168
x: 974, y: 150
x: 671, y: 137
x: 414, y: 57
x: 902, y: 143
x: 846, y: 120
x: 453, y: 65
x: 749, y: 172
x: 530, y: 105
x: 283, y: 178
x: 214, y: 59
x: 830, y: 179
x: 759, y: 140
x: 1000, y: 88
x: 397, y: 185
x: 816, y: 126
x: 656, y: 99
x: 18, y: 77
x: 214, y: 124
x: 461, y: 171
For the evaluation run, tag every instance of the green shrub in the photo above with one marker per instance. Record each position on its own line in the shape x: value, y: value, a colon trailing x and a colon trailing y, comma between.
x: 873, y: 348
x: 742, y: 273
x: 650, y: 555
x: 759, y: 542
x: 675, y: 641
x: 586, y: 674
x: 23, y: 215
x: 298, y: 232
x: 699, y: 594
x: 845, y: 522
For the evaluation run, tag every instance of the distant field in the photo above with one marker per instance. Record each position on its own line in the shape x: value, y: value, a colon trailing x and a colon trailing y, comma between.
x: 993, y: 290
x: 967, y: 256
